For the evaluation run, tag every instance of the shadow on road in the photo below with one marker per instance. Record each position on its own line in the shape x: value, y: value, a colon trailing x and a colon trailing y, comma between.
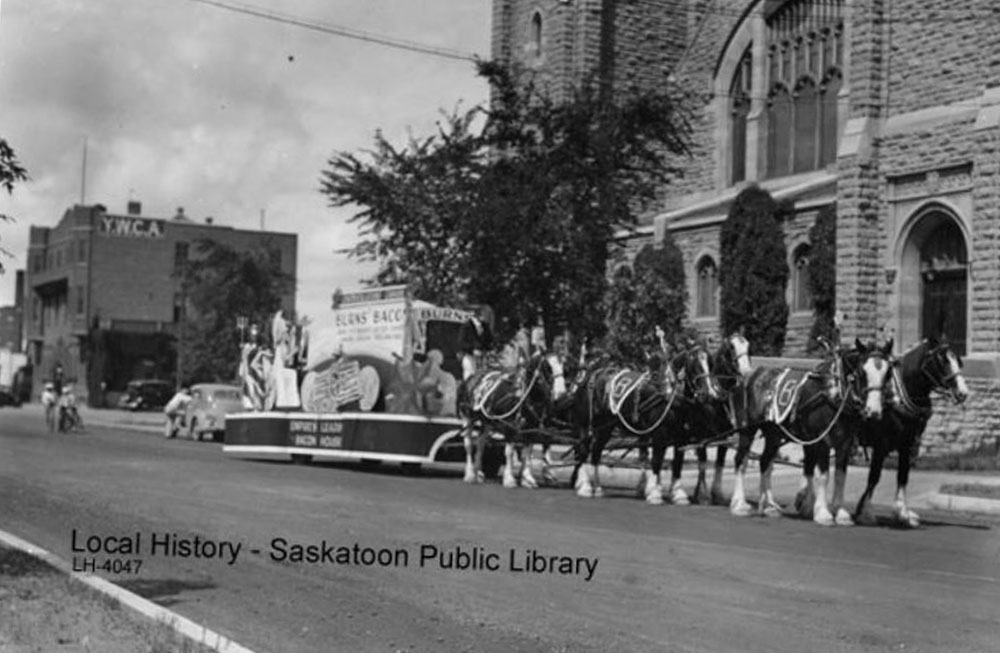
x: 161, y: 591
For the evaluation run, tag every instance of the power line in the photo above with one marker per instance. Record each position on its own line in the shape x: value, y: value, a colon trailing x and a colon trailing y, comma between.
x: 339, y: 30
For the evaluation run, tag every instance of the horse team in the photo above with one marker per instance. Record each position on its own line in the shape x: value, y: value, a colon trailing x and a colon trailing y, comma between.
x: 693, y: 398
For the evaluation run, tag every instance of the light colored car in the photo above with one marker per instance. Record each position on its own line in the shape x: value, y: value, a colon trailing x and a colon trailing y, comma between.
x: 207, y: 410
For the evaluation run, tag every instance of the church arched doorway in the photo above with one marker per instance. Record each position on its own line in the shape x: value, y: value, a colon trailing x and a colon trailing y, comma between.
x: 934, y: 287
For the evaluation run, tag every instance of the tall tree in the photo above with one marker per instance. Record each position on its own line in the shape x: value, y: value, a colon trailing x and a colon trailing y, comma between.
x: 11, y: 173
x: 519, y: 214
x: 412, y: 203
x: 219, y: 284
x: 653, y: 294
x: 753, y: 270
x: 822, y: 270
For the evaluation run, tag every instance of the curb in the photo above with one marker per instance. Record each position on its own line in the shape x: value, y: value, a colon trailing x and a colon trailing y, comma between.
x: 181, y: 625
x: 954, y: 502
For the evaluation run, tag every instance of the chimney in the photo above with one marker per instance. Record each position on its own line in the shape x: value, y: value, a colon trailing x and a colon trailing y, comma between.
x: 19, y: 289
x: 134, y: 207
x: 209, y: 220
x: 180, y: 214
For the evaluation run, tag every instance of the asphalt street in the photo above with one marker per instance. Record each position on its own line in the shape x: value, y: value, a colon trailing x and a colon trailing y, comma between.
x: 355, y: 559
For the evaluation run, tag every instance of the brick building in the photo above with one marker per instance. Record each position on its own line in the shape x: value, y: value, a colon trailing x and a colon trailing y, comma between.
x: 113, y: 278
x: 12, y: 317
x: 888, y: 110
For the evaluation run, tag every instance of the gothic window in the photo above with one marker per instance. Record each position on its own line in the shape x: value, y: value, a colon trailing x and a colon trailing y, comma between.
x: 801, y: 297
x: 805, y: 63
x: 536, y: 35
x: 707, y: 291
x: 739, y: 98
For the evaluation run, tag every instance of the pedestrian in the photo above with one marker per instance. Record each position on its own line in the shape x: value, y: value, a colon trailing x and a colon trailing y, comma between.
x: 175, y: 411
x: 49, y: 400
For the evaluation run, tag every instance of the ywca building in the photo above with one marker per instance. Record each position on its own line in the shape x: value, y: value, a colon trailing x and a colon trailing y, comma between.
x: 887, y: 109
x: 104, y: 296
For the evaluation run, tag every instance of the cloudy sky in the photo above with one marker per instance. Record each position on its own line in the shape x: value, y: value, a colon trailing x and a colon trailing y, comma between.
x: 183, y: 104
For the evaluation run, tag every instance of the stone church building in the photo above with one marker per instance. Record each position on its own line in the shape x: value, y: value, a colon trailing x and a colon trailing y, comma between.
x: 887, y: 109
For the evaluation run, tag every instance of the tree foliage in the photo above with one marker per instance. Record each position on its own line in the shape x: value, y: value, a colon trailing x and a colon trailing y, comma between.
x: 652, y: 293
x: 11, y: 173
x: 753, y: 271
x: 513, y: 205
x: 221, y: 283
x: 822, y: 270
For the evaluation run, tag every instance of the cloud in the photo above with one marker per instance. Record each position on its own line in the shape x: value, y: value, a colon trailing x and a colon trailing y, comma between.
x: 227, y: 115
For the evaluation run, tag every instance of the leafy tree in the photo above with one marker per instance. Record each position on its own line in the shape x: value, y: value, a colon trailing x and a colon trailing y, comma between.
x: 11, y: 172
x: 652, y: 294
x: 822, y: 271
x: 521, y: 213
x: 219, y: 284
x: 413, y: 202
x: 753, y: 270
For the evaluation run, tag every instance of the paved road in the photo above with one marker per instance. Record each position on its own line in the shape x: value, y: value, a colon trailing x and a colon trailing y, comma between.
x: 676, y: 579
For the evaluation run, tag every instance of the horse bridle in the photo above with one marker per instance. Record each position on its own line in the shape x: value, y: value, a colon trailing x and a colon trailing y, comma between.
x: 942, y: 383
x: 691, y: 381
x: 861, y: 393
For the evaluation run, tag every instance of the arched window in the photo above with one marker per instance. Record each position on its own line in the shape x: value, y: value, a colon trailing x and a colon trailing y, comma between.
x: 707, y: 291
x: 801, y: 296
x: 536, y: 34
x: 739, y: 98
x: 779, y: 137
x: 805, y: 53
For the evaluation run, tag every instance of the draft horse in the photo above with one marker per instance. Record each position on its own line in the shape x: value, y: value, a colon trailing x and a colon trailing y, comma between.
x: 642, y: 405
x: 863, y: 371
x: 806, y: 407
x: 927, y: 367
x: 707, y: 421
x: 516, y: 404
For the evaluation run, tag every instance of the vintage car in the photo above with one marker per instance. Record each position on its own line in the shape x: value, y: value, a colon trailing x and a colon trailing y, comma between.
x: 148, y: 394
x: 210, y: 403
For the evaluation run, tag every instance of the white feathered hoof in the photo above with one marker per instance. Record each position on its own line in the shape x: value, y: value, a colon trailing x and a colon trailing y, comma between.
x: 906, y: 518
x: 771, y: 511
x: 598, y: 492
x: 844, y: 518
x: 823, y: 517
x: 652, y: 491
x: 740, y: 509
x: 528, y: 480
x: 508, y: 478
x: 679, y: 497
x: 470, y: 474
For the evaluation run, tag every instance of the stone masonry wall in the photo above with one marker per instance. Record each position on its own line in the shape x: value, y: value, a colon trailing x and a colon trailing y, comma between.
x: 955, y: 429
x: 940, y: 52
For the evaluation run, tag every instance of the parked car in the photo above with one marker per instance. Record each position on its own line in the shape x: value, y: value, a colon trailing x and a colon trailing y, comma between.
x: 210, y: 403
x: 148, y: 394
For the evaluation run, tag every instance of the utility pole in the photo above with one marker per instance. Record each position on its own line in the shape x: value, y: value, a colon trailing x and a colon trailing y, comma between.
x: 83, y: 174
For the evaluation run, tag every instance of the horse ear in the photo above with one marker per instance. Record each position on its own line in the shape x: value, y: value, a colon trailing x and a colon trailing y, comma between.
x: 860, y: 346
x: 887, y: 348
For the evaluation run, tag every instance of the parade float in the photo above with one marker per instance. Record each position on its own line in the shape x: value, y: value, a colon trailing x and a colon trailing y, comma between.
x: 376, y: 379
